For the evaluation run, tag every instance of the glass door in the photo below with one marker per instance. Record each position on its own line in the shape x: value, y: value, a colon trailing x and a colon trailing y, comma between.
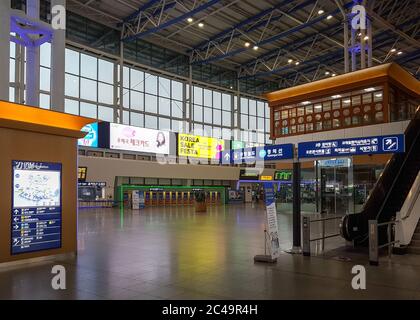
x: 336, y: 183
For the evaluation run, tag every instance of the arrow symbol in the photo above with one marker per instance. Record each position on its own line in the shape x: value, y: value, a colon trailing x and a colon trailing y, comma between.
x: 15, y: 219
x: 227, y: 156
x: 15, y: 227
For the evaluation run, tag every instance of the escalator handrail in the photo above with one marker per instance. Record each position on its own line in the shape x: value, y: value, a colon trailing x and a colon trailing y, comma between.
x: 398, y: 174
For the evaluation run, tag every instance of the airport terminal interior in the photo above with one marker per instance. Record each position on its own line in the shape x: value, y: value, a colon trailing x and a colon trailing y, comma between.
x: 209, y: 149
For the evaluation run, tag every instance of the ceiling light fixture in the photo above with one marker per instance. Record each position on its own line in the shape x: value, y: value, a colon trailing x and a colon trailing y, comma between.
x: 337, y: 96
x: 327, y: 73
x: 255, y: 48
x: 297, y: 63
x: 366, y: 38
x: 400, y: 53
x: 333, y: 75
x: 190, y: 20
x: 329, y: 17
x: 247, y: 44
x: 370, y: 89
x: 321, y: 11
x: 289, y: 61
x: 305, y: 103
x: 201, y: 25
x: 393, y: 50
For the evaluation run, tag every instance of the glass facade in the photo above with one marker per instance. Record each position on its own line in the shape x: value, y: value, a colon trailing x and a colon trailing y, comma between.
x: 149, y: 100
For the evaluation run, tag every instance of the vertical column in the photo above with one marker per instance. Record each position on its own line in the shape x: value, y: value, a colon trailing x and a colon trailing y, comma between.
x: 353, y: 52
x: 121, y: 118
x: 190, y: 101
x: 32, y: 61
x: 346, y: 45
x: 4, y: 49
x: 58, y: 57
x: 116, y: 88
x: 370, y: 42
x: 296, y: 207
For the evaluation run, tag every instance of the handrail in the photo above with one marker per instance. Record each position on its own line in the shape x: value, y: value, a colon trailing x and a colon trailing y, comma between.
x: 306, y: 232
x: 397, y: 176
x: 374, y: 243
x: 412, y: 204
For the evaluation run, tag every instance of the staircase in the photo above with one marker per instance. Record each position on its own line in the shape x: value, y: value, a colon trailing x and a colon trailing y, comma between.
x: 414, y: 246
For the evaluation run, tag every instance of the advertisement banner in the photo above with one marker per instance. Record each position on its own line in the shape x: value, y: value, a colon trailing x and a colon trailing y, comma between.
x: 36, y: 206
x: 91, y: 139
x: 199, y: 147
x: 272, y: 225
x: 130, y: 138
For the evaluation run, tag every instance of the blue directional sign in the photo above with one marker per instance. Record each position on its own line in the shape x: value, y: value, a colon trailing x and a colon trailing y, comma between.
x: 36, y: 206
x: 352, y: 146
x: 251, y: 155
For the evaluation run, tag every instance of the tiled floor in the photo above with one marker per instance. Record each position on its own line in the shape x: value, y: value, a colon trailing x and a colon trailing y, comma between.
x: 174, y: 253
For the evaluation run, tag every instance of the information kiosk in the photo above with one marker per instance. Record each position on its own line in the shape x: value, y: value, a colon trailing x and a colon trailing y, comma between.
x: 38, y: 182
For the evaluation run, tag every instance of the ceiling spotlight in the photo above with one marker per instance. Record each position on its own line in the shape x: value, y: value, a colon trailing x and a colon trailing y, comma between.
x: 359, y: 34
x: 247, y: 44
x: 393, y: 50
x: 333, y: 75
x: 201, y: 25
x: 366, y: 38
x: 297, y: 63
x: 329, y: 17
x: 321, y: 11
x: 289, y: 61
x: 327, y: 73
x: 337, y: 96
x: 400, y: 53
x: 255, y: 48
x: 370, y: 89
x: 190, y: 20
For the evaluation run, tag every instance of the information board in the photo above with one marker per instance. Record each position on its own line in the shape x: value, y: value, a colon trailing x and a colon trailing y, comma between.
x: 250, y: 155
x: 36, y: 206
x: 352, y: 146
x: 272, y: 224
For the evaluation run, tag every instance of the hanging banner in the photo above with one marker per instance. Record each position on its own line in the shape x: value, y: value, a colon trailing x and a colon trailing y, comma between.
x: 272, y: 225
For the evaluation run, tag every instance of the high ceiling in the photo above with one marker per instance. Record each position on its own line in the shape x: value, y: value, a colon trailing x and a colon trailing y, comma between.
x: 289, y: 42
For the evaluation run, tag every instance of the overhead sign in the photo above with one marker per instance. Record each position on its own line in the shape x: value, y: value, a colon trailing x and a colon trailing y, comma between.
x: 130, y: 138
x: 283, y: 175
x: 92, y: 184
x: 250, y: 155
x: 91, y: 138
x: 36, y: 206
x: 236, y: 144
x: 271, y: 216
x: 335, y: 163
x: 352, y: 146
x: 199, y: 147
x: 248, y: 174
x: 81, y: 174
x: 266, y: 178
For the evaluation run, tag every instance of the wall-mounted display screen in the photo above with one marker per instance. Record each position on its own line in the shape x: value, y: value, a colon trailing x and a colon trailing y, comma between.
x: 122, y: 137
x: 91, y: 138
x: 36, y: 206
x: 283, y: 175
x: 236, y: 144
x: 199, y: 147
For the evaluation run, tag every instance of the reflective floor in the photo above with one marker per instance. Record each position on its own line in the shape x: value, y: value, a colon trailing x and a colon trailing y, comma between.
x: 174, y: 253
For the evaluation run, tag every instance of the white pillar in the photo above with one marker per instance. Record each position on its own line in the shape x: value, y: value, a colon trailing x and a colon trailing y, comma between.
x: 32, y: 61
x: 58, y: 62
x: 4, y: 49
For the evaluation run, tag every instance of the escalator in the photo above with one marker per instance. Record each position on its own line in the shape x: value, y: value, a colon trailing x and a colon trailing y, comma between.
x: 390, y: 191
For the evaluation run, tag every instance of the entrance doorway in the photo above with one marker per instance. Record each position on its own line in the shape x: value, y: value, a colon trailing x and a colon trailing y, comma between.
x: 336, y: 186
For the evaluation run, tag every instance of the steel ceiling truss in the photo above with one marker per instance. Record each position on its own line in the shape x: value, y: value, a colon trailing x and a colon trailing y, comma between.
x: 254, y: 30
x: 154, y: 16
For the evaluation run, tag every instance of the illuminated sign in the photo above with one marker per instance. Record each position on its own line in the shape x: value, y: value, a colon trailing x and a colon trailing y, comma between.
x: 247, y: 174
x: 138, y: 139
x: 236, y: 144
x: 266, y: 178
x: 36, y: 206
x: 251, y: 155
x: 352, y: 146
x: 81, y: 174
x: 91, y: 138
x: 199, y: 147
x: 283, y: 175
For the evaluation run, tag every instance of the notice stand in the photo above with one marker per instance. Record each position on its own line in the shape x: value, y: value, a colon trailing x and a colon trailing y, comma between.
x: 271, y: 230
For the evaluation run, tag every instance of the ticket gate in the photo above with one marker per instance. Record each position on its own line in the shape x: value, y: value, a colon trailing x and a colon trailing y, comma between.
x: 154, y: 198
x: 167, y: 197
x: 160, y: 196
x: 147, y: 199
x: 191, y: 198
x: 174, y: 196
